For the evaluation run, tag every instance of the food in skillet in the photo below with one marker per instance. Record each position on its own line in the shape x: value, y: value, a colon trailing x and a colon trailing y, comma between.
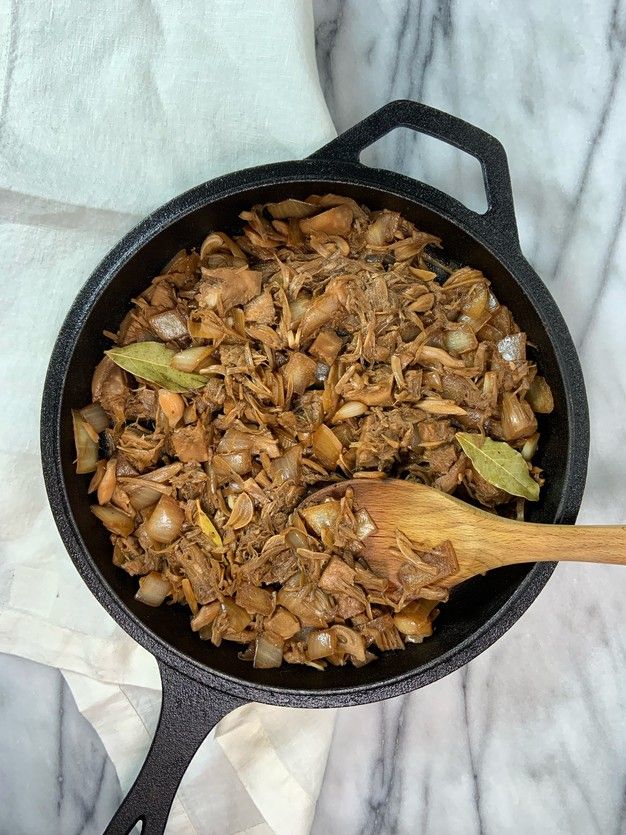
x: 325, y: 342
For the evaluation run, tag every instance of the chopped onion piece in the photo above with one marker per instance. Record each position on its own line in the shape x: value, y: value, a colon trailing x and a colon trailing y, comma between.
x: 141, y: 494
x: 321, y: 643
x: 298, y: 308
x: 165, y: 521
x: 351, y: 409
x: 517, y: 418
x: 530, y: 447
x: 205, y: 616
x: 255, y: 600
x: 326, y: 446
x: 114, y: 519
x: 415, y: 619
x: 540, y: 396
x: 153, y: 589
x: 95, y: 415
x: 268, y: 654
x: 296, y: 538
x: 191, y: 358
x: 320, y: 516
x: 364, y: 524
x: 287, y: 467
x: 300, y: 372
x: 86, y: 442
x: 291, y: 208
x: 242, y: 512
x: 336, y: 221
x: 460, y: 340
x: 349, y: 641
x: 97, y: 476
x: 238, y: 618
x: 513, y: 348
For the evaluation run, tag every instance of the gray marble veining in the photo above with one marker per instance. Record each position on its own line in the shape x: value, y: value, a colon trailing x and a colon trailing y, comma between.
x: 55, y: 776
x: 531, y: 736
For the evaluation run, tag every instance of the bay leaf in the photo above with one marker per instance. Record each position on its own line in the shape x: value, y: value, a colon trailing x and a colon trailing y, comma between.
x: 206, y: 526
x: 151, y: 361
x: 500, y: 465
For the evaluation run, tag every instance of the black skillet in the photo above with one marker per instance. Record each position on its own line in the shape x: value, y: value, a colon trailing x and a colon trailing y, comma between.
x: 202, y: 683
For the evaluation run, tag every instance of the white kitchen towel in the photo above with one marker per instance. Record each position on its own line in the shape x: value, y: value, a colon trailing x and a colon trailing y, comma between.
x: 108, y: 110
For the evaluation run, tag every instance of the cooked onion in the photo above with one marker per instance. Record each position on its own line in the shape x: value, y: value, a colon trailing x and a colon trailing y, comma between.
x: 153, y: 589
x: 414, y: 619
x: 321, y: 643
x: 517, y: 418
x: 242, y: 512
x: 326, y: 446
x: 530, y: 447
x: 540, y: 396
x: 349, y: 641
x: 237, y: 617
x: 86, y: 442
x: 268, y: 654
x: 460, y: 340
x: 114, y: 519
x: 320, y: 516
x: 351, y: 409
x: 166, y: 520
x: 95, y: 415
x: 142, y: 494
x: 191, y: 358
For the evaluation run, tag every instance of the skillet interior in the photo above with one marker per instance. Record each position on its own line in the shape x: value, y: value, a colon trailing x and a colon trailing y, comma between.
x: 472, y: 606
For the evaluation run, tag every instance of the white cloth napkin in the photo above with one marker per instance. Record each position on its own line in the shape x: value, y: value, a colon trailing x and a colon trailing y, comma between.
x: 110, y: 109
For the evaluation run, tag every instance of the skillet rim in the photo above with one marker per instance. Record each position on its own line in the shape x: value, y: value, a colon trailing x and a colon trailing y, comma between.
x: 501, y: 243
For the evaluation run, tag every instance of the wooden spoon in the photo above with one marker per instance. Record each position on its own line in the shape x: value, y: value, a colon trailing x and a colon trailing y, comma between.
x: 481, y: 540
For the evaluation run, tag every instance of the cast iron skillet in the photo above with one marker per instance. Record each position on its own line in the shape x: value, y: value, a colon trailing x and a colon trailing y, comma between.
x: 202, y: 683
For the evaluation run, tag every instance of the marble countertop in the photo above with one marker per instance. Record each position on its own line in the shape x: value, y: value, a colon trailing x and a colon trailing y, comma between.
x: 531, y: 736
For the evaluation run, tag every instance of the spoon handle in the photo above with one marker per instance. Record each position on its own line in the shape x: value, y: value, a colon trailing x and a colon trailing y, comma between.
x: 518, y: 542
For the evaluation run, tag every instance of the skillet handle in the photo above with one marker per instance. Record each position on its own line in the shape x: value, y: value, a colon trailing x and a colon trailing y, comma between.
x: 189, y: 710
x: 419, y: 117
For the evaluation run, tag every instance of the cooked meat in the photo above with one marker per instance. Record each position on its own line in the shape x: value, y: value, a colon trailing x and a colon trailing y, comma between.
x: 324, y: 341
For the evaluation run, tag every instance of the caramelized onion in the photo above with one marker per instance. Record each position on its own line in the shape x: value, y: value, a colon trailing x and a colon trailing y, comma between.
x: 540, y: 396
x: 321, y: 643
x: 86, y: 443
x: 153, y: 589
x: 95, y: 415
x: 517, y: 418
x: 114, y: 519
x: 326, y: 446
x: 268, y: 654
x: 166, y: 520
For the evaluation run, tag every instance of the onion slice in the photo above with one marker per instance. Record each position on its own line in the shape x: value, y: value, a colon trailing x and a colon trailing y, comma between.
x: 268, y: 654
x: 165, y: 521
x: 86, y: 442
x: 153, y: 589
x: 114, y: 519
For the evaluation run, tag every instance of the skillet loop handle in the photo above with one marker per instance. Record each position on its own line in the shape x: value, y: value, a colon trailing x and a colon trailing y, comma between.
x: 189, y: 711
x: 419, y: 117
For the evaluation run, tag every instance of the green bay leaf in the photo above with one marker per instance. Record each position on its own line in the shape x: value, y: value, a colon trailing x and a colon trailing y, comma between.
x: 151, y: 361
x: 500, y: 465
